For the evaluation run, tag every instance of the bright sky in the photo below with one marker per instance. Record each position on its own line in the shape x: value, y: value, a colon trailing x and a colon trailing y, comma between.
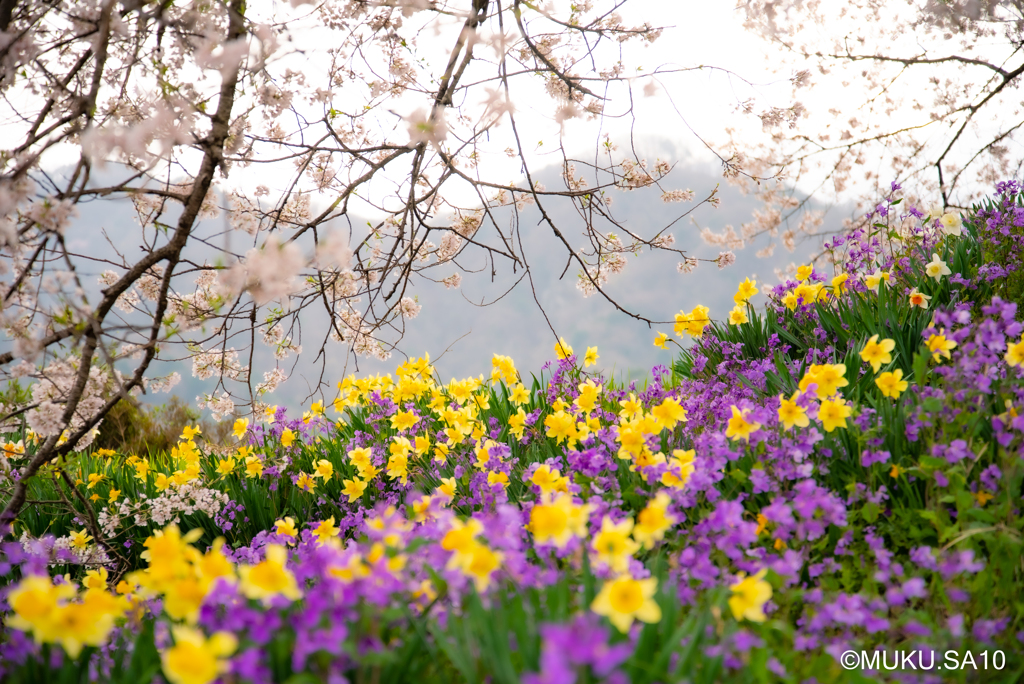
x: 699, y: 102
x: 697, y: 33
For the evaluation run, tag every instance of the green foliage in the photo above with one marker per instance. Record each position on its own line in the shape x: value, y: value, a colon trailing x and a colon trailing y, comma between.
x: 135, y: 428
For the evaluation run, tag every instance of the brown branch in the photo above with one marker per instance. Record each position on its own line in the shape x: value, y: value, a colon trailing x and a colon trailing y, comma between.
x: 171, y: 252
x: 572, y: 84
x: 909, y: 61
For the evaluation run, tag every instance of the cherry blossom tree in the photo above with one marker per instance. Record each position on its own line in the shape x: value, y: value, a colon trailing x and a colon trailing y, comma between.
x: 924, y: 93
x: 261, y: 132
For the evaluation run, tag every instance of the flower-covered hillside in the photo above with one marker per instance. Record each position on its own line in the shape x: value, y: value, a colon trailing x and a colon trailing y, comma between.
x: 838, y: 472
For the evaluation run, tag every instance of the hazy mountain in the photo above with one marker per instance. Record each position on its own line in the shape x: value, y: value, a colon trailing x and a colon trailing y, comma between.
x: 460, y: 335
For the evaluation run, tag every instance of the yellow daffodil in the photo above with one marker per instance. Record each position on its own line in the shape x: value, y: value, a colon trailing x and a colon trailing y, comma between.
x: 624, y: 599
x: 546, y: 477
x: 875, y: 279
x: 692, y: 323
x: 630, y: 407
x: 588, y: 396
x: 324, y: 469
x: 286, y: 528
x: 876, y: 353
x: 699, y: 320
x: 561, y: 426
x: 517, y: 423
x: 558, y: 521
x: 421, y: 445
x: 739, y: 427
x: 747, y: 289
x: 403, y: 420
x: 807, y: 293
x: 519, y: 395
x: 479, y: 563
x: 196, y: 659
x: 240, y: 428
x: 613, y: 546
x: 749, y: 595
x: 446, y: 490
x: 791, y: 413
x: 34, y: 602
x: 680, y: 469
x: 1014, y: 353
x: 305, y: 482
x: 653, y: 521
x: 669, y: 413
x: 80, y: 539
x: 892, y: 384
x: 398, y: 467
x: 839, y: 283
x: 461, y: 536
x: 360, y: 457
x: 87, y: 622
x: 253, y: 467
x: 95, y: 579
x: 833, y: 413
x: 940, y: 346
x: 14, y: 449
x: 270, y: 578
x: 562, y: 349
x: 421, y: 508
x: 368, y: 472
x: 503, y: 368
x: 226, y: 466
x: 827, y: 377
x: 483, y: 454
x: 441, y: 451
x: 325, y: 531
x: 353, y: 489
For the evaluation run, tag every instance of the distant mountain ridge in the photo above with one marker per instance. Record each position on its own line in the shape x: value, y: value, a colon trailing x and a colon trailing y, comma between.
x: 462, y: 336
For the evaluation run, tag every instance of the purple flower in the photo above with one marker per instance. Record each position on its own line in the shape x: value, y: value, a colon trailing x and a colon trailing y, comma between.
x: 869, y: 458
x: 568, y: 647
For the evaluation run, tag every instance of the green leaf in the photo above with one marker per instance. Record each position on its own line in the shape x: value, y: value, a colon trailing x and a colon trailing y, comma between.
x: 145, y: 661
x: 920, y: 368
x: 738, y: 475
x: 303, y: 678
